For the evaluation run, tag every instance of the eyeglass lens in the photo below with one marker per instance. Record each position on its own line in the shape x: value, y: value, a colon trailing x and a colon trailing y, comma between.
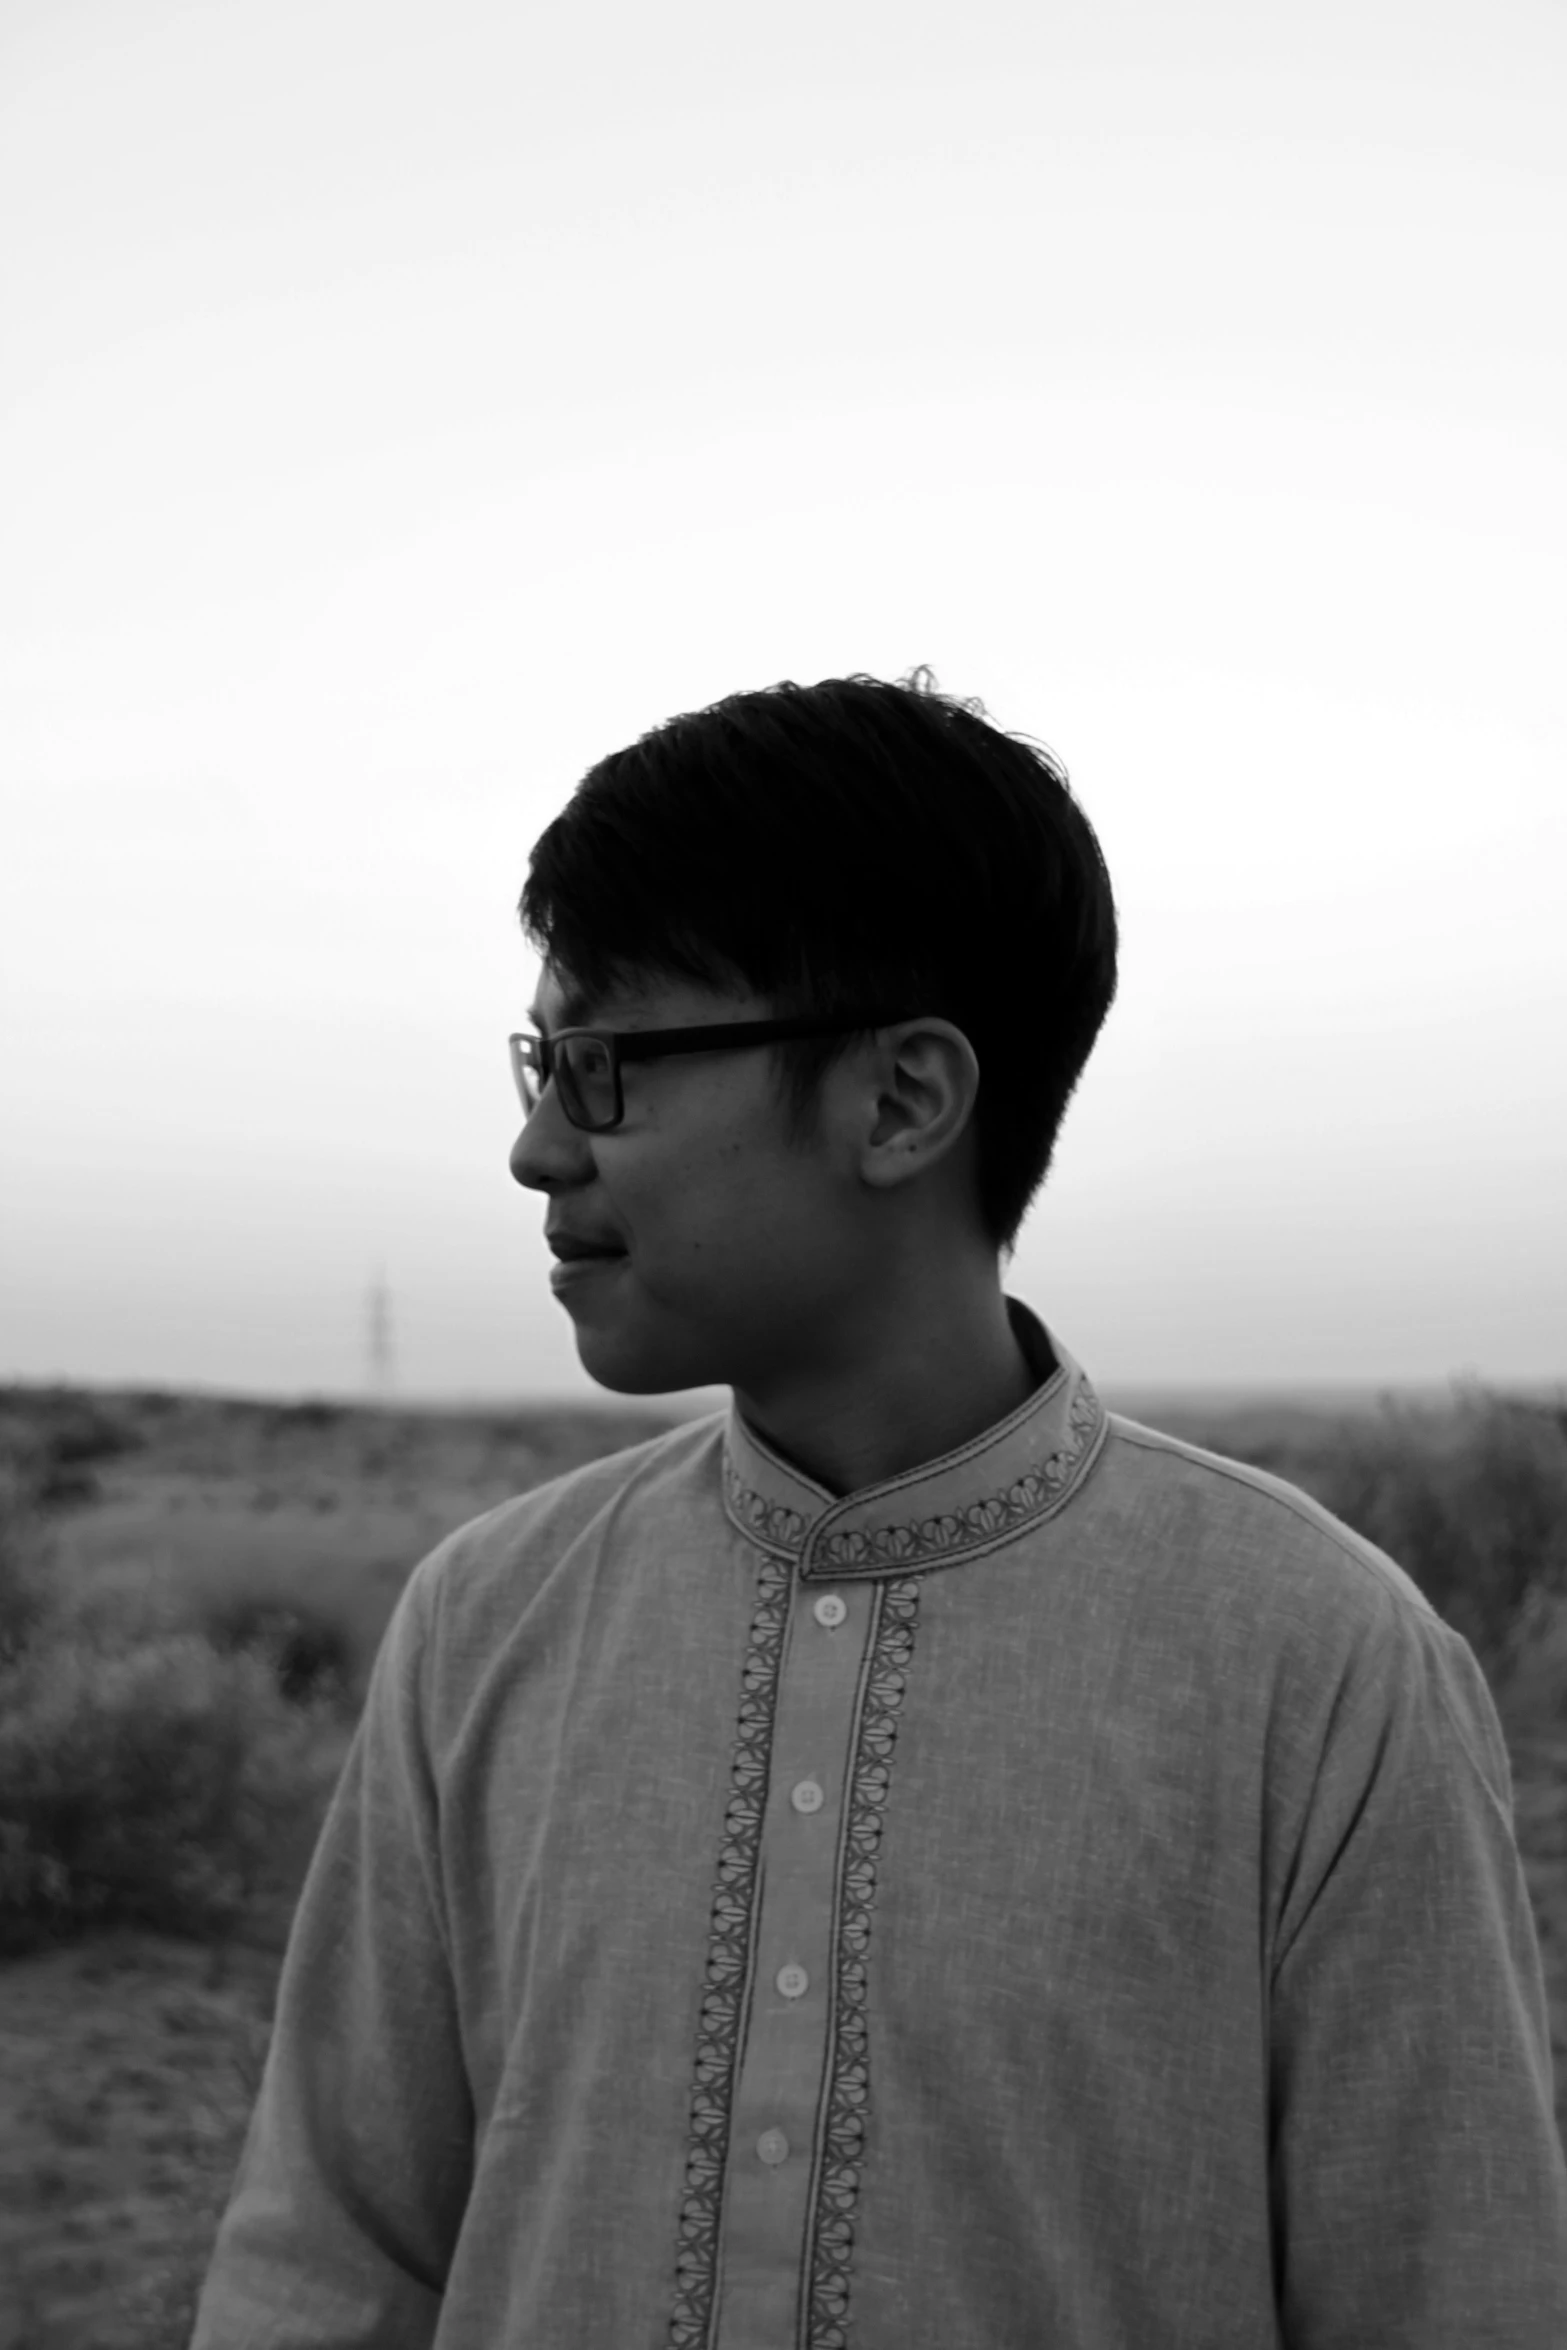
x: 587, y: 1076
x: 585, y: 1073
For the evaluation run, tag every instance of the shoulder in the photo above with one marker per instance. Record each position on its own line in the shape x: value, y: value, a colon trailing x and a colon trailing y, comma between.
x: 1246, y: 1562
x: 1249, y: 1553
x: 1247, y: 1523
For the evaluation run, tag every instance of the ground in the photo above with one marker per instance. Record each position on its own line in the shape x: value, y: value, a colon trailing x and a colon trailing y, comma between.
x: 129, y: 2076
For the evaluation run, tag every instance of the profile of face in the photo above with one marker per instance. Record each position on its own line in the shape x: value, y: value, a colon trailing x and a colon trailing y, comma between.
x: 749, y: 1259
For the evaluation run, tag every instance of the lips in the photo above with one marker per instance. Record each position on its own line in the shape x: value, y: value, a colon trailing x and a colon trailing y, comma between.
x: 569, y: 1248
x: 586, y: 1274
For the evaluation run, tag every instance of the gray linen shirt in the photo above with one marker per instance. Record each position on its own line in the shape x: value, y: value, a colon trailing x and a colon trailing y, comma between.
x: 1063, y: 1897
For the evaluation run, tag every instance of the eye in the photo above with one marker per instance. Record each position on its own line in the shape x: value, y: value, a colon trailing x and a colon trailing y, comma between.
x: 588, y: 1071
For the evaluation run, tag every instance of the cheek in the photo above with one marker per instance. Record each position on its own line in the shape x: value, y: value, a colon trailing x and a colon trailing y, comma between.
x: 711, y: 1202
x: 699, y: 1181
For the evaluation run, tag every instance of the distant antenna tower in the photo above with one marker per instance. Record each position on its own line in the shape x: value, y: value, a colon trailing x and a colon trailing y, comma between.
x: 378, y: 1341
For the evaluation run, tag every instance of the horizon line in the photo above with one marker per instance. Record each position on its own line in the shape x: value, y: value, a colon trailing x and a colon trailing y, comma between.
x: 692, y: 1403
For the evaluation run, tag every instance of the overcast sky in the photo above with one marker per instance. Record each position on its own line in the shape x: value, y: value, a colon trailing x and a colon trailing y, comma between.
x: 406, y: 405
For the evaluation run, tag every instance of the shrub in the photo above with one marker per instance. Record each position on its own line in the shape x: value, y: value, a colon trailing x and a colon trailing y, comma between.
x: 24, y: 1595
x: 313, y: 1413
x: 77, y: 1429
x: 59, y: 1434
x: 309, y: 1653
x: 141, y: 1785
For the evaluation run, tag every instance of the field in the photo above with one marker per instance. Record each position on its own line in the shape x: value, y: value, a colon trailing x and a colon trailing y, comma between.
x: 191, y: 1593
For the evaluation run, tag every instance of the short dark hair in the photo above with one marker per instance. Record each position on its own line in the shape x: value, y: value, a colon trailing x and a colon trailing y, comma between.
x: 841, y: 846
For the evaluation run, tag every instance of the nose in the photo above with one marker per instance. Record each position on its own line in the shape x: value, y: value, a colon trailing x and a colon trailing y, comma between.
x: 550, y: 1153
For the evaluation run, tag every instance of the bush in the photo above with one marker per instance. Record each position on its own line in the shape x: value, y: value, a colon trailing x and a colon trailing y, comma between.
x: 25, y: 1600
x: 76, y: 1429
x: 314, y: 1413
x: 57, y: 1435
x: 309, y: 1653
x: 1471, y: 1503
x: 142, y: 1785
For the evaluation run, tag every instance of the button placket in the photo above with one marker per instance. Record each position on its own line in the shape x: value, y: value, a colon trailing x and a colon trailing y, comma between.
x: 786, y: 2045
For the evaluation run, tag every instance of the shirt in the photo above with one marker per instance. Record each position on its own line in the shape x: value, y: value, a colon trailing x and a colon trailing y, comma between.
x: 1062, y: 1897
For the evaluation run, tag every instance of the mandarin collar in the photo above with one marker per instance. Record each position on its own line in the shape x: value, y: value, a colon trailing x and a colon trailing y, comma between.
x: 1000, y: 1484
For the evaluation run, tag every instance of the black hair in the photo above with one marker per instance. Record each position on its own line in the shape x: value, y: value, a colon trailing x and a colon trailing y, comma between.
x: 840, y: 847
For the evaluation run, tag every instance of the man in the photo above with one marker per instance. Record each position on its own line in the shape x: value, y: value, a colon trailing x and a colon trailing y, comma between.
x: 914, y: 1861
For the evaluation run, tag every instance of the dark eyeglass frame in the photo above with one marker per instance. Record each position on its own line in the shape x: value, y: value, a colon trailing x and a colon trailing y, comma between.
x: 533, y: 1055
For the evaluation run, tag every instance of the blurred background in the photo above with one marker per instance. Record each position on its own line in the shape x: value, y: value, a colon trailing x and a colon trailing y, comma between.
x: 406, y: 406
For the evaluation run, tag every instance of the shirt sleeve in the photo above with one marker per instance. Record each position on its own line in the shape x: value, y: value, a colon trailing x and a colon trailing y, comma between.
x: 356, y: 2170
x: 1418, y: 2184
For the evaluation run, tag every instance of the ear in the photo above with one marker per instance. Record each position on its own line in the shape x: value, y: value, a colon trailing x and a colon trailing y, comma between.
x: 924, y: 1077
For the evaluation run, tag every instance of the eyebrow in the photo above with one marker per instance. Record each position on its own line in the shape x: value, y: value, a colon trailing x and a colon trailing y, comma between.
x: 574, y: 1010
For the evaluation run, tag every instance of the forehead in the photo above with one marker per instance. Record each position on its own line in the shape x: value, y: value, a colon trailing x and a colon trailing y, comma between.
x: 652, y: 1002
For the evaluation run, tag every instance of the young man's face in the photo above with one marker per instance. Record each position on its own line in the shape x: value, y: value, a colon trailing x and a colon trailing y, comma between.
x: 744, y: 1258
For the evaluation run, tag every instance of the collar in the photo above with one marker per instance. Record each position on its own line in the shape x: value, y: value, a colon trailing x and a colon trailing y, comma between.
x: 999, y: 1485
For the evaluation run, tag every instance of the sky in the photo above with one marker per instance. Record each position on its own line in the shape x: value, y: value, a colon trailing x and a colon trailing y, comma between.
x: 404, y: 406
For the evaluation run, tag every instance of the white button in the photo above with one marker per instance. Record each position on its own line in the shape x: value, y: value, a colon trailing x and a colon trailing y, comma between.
x: 772, y: 2146
x: 807, y: 1796
x: 792, y: 1981
x: 830, y: 1610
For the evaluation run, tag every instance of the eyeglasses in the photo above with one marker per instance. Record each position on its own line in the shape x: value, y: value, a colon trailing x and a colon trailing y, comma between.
x: 585, y: 1062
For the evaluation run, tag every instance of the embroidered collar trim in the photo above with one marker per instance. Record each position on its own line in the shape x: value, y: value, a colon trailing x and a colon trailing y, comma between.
x: 968, y: 1502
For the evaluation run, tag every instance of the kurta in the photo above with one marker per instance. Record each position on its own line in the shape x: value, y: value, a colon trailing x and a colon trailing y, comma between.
x: 1063, y: 1897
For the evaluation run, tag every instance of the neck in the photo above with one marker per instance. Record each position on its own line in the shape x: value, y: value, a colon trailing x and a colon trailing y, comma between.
x: 924, y: 1377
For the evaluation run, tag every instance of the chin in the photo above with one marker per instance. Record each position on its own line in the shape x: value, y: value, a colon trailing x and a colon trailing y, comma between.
x: 616, y: 1360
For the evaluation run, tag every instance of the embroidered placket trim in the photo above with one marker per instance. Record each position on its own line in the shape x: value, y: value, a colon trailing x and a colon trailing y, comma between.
x: 720, y: 2030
